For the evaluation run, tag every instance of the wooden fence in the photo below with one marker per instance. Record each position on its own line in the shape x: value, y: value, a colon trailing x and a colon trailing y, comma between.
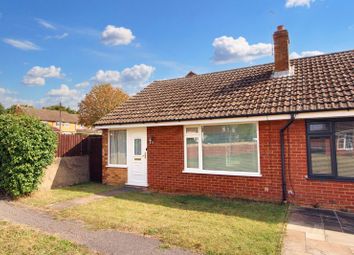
x: 72, y: 145
x: 81, y: 145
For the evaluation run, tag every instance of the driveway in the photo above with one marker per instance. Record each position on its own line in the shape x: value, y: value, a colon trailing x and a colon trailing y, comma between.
x: 319, y: 232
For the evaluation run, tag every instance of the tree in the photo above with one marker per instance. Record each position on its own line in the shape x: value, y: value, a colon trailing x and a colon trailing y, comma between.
x: 58, y: 107
x: 2, y: 109
x: 102, y: 99
x: 12, y: 108
x: 27, y: 146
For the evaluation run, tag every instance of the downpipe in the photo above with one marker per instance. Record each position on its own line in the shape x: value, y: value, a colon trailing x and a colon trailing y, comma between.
x: 282, y: 151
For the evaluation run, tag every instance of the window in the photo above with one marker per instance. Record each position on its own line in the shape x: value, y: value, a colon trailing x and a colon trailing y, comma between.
x: 222, y: 149
x: 118, y: 147
x: 137, y: 147
x: 330, y: 149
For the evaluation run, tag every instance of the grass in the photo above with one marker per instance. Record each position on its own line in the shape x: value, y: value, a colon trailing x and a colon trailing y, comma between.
x: 45, y: 198
x: 207, y: 225
x: 16, y: 239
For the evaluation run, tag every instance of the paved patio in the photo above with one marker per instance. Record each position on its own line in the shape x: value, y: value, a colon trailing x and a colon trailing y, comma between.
x: 319, y: 232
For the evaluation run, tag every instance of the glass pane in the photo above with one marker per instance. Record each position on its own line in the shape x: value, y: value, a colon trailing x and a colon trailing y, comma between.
x: 318, y: 127
x: 344, y: 148
x: 192, y: 153
x: 193, y: 130
x: 230, y: 148
x: 321, y: 155
x: 137, y: 146
x: 118, y: 147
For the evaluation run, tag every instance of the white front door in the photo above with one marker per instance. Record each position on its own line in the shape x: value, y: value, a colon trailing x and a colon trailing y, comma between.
x: 137, y: 157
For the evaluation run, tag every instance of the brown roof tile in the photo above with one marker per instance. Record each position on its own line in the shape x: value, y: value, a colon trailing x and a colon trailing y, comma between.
x: 49, y: 115
x: 319, y: 83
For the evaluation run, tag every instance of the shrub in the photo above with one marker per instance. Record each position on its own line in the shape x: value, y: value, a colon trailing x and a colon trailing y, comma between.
x: 27, y: 146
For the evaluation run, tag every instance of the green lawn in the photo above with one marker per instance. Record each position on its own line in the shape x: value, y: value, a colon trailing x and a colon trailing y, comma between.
x: 45, y: 198
x: 207, y: 225
x: 16, y: 239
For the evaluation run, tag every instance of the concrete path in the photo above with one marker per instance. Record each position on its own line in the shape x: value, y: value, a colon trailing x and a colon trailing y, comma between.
x: 104, y: 242
x: 319, y: 232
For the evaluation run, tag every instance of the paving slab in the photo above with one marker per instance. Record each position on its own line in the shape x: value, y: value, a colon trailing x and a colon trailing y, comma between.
x: 314, y: 231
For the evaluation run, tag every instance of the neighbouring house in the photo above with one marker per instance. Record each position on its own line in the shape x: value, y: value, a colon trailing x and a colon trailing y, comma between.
x: 62, y: 121
x: 275, y: 132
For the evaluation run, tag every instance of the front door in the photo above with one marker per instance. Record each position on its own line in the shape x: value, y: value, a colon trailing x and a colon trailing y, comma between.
x: 137, y: 157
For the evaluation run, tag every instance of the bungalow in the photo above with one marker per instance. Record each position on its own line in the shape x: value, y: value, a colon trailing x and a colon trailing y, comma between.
x: 275, y: 132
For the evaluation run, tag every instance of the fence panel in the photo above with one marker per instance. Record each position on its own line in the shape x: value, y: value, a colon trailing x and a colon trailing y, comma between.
x: 80, y: 145
x: 72, y: 145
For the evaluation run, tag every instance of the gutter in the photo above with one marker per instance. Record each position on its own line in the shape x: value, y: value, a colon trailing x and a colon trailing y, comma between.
x: 282, y: 151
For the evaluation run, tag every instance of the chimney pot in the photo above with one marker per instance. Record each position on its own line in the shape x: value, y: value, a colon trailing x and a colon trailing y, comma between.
x: 280, y: 27
x: 281, y: 50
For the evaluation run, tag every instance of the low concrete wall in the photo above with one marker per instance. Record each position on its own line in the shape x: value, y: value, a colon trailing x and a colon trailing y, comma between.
x: 66, y: 171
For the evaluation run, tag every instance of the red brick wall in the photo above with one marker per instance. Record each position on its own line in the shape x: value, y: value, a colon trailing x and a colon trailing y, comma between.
x: 111, y: 175
x: 166, y: 163
x: 323, y: 193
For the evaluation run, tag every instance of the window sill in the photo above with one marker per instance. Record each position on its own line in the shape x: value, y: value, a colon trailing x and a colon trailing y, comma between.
x: 117, y: 166
x: 330, y: 179
x: 215, y: 172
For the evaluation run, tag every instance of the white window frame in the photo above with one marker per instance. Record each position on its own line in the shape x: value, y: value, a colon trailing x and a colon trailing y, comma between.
x: 109, y: 150
x: 200, y: 170
x: 347, y: 146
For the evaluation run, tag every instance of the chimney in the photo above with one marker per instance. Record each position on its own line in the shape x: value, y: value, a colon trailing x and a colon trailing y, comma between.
x: 190, y: 74
x: 281, y: 50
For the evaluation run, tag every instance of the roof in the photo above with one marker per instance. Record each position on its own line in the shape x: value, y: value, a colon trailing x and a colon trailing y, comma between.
x: 320, y: 83
x: 50, y: 115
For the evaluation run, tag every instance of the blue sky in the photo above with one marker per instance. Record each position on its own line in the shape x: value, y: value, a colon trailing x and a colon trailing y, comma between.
x: 57, y: 50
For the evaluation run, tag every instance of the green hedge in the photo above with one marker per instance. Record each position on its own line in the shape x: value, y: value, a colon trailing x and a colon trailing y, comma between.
x: 27, y: 146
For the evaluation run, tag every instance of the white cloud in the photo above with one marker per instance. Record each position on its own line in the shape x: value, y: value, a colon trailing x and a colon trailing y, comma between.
x: 296, y: 3
x: 306, y: 54
x: 117, y: 36
x: 228, y: 49
x: 138, y: 74
x: 108, y: 76
x: 3, y: 91
x: 45, y: 24
x: 82, y: 85
x: 130, y: 79
x: 63, y: 91
x: 58, y: 37
x: 21, y: 44
x: 37, y: 75
x: 7, y: 98
x: 65, y: 95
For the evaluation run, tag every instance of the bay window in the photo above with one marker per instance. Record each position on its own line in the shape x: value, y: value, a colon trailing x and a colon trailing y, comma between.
x: 230, y: 149
x: 330, y: 149
x: 117, y: 147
